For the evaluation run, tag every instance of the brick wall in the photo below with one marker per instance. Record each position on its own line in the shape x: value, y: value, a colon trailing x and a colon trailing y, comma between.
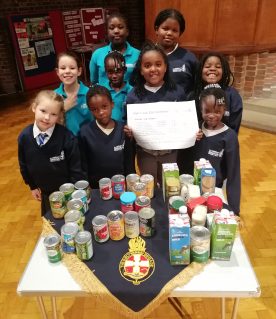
x: 255, y: 74
x: 9, y: 79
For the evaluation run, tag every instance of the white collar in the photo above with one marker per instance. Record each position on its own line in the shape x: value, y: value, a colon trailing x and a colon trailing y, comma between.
x: 209, y: 133
x: 37, y: 131
x: 153, y: 89
x: 176, y: 46
x: 107, y: 131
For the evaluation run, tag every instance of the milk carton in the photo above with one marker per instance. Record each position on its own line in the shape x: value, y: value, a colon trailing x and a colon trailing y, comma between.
x: 223, y: 234
x: 179, y: 239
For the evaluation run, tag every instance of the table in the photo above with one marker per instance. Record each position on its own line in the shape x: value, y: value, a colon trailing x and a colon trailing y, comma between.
x: 220, y: 279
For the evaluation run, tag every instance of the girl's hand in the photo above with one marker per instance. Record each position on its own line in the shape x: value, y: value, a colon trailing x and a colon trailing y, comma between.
x: 70, y: 102
x: 199, y: 135
x: 128, y: 131
x: 36, y: 194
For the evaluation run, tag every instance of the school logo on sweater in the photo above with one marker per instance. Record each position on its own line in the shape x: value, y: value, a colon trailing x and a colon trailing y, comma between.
x: 84, y: 106
x: 216, y: 153
x: 181, y: 69
x: 58, y: 158
x: 118, y: 148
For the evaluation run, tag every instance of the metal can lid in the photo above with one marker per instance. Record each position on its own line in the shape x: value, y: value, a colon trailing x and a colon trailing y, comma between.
x: 117, y: 178
x: 78, y: 194
x: 83, y: 237
x: 115, y: 215
x: 186, y: 178
x: 104, y: 181
x: 131, y: 215
x: 72, y: 215
x: 70, y: 228
x: 199, y: 233
x: 132, y: 177
x: 146, y: 178
x: 74, y: 204
x: 51, y: 240
x: 128, y: 198
x: 99, y: 220
x: 81, y: 184
x: 146, y: 212
x: 143, y: 200
x: 67, y: 187
x: 56, y: 196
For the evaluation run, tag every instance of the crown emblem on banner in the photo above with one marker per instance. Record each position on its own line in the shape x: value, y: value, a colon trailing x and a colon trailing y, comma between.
x: 136, y: 266
x: 137, y: 244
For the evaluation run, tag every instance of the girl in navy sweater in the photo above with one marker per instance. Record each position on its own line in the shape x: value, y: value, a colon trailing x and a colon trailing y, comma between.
x: 220, y: 144
x: 214, y: 68
x: 48, y: 153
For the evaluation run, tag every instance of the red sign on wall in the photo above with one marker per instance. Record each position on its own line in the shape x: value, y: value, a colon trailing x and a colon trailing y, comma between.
x: 72, y: 28
x: 93, y: 24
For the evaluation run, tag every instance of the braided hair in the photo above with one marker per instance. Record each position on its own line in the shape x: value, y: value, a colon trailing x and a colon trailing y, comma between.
x: 216, y: 91
x: 97, y: 90
x: 118, y: 58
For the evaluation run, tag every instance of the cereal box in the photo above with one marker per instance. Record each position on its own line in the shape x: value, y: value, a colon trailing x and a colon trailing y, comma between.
x: 208, y: 180
x: 170, y: 180
x: 179, y: 240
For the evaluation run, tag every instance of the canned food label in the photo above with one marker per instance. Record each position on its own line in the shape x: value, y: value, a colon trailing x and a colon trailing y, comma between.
x: 101, y: 233
x: 85, y: 250
x: 54, y: 255
x: 106, y: 192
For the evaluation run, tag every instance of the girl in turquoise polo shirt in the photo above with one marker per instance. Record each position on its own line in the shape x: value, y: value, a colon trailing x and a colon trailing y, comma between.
x: 117, y: 32
x: 68, y: 68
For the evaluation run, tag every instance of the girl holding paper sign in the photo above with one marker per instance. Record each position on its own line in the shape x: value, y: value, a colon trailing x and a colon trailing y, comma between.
x: 152, y: 83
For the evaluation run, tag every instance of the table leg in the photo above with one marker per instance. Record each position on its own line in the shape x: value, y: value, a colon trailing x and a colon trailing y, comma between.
x: 54, y: 307
x: 235, y: 308
x: 222, y: 308
x: 42, y: 307
x: 174, y: 301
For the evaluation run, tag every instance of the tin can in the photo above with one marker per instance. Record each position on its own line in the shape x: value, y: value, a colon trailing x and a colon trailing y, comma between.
x: 118, y: 185
x: 105, y: 188
x: 139, y: 189
x: 131, y: 224
x: 141, y: 202
x: 84, y: 248
x: 68, y: 233
x: 100, y: 228
x: 149, y: 181
x: 131, y: 179
x: 74, y: 216
x: 147, y: 222
x: 81, y: 195
x: 84, y: 185
x: 57, y: 203
x: 174, y: 203
x: 116, y: 228
x: 53, y: 246
x: 127, y: 201
x: 67, y: 189
x: 200, y: 244
x: 185, y: 179
x: 76, y: 204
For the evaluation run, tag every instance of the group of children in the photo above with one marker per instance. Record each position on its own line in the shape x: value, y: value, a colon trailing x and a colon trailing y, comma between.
x: 98, y: 143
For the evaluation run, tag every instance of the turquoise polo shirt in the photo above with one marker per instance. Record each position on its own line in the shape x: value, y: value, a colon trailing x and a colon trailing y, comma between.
x: 96, y: 65
x: 79, y: 113
x: 119, y: 99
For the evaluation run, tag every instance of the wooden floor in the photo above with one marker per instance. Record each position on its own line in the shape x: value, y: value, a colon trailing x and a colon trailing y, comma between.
x: 21, y: 225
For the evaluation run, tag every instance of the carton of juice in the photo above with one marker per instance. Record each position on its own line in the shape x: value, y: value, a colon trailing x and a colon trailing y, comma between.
x: 170, y: 180
x: 198, y: 165
x: 179, y: 239
x: 223, y: 232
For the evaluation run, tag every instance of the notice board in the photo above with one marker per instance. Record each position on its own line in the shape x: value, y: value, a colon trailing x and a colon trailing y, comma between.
x: 73, y: 28
x: 35, y: 51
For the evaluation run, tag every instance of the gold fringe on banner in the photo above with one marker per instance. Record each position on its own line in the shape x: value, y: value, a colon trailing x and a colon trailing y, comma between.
x: 92, y: 285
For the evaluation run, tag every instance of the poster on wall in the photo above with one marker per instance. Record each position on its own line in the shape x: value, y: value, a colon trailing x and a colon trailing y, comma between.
x: 72, y: 28
x: 93, y: 25
x: 35, y: 42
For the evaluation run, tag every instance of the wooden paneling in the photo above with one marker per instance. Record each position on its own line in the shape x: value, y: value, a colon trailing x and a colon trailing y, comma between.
x: 230, y: 26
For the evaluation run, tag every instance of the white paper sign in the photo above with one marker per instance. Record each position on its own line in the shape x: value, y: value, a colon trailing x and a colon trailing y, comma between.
x: 163, y: 125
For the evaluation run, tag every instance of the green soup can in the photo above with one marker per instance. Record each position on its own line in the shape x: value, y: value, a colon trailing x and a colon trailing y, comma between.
x: 52, y: 244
